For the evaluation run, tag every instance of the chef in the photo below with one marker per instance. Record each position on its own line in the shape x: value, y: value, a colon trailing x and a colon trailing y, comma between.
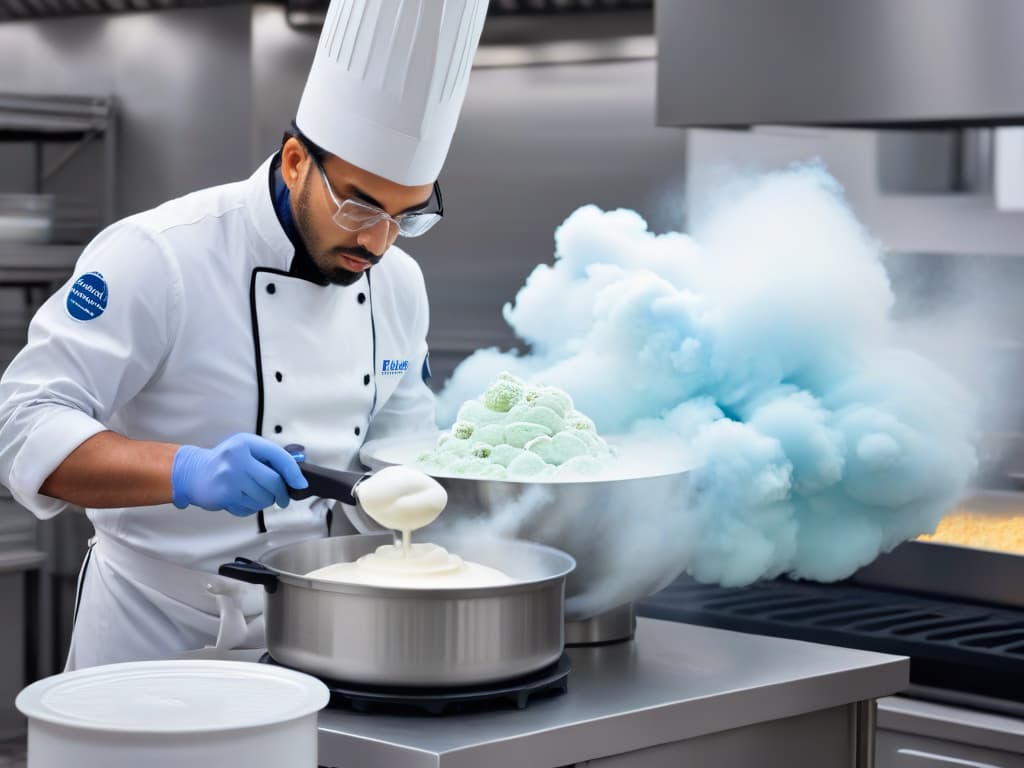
x: 159, y: 386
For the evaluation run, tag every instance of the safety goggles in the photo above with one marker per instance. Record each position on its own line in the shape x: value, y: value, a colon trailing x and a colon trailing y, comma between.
x: 355, y: 215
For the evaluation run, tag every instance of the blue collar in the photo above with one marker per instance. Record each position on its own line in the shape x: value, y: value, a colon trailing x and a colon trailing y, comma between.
x: 302, y: 265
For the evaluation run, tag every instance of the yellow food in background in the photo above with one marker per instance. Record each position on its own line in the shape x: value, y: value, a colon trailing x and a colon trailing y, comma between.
x: 1004, y: 533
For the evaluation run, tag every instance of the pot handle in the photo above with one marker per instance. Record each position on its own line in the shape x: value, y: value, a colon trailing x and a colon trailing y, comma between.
x: 324, y: 483
x: 251, y: 572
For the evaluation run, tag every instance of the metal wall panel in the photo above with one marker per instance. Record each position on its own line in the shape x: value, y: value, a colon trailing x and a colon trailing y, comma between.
x: 182, y: 82
x: 840, y: 62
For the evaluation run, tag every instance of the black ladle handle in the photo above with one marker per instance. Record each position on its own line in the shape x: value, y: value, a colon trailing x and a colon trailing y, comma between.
x: 323, y: 482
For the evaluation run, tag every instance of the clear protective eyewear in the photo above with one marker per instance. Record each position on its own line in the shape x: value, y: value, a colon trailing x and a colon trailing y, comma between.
x: 355, y: 215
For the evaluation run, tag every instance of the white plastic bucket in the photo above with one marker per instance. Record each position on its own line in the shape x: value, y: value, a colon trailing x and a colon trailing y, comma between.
x: 174, y: 714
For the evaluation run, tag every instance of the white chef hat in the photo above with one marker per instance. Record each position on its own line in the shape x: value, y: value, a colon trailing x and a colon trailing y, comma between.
x: 388, y: 82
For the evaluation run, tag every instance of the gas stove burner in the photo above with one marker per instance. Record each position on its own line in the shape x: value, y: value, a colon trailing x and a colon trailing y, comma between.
x: 518, y: 692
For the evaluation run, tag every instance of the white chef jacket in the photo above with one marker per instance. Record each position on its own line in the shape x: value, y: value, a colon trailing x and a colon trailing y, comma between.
x: 199, y: 332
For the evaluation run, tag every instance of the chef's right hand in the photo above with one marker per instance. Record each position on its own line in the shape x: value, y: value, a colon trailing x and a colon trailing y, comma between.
x: 244, y: 474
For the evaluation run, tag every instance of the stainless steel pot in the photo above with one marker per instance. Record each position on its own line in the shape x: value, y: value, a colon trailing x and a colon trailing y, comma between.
x: 412, y: 637
x: 628, y: 531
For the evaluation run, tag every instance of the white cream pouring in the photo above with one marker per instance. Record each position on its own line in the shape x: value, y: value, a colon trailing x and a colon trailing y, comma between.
x: 404, y: 499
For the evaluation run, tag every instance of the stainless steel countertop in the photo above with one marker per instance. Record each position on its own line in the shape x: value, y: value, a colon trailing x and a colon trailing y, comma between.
x: 673, y: 682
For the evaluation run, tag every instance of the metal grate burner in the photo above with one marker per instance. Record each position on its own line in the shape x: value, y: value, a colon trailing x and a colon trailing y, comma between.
x: 968, y: 647
x: 517, y: 693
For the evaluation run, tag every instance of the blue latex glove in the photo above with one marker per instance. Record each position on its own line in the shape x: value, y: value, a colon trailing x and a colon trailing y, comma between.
x: 244, y: 474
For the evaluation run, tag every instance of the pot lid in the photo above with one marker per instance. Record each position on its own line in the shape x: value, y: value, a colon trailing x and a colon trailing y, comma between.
x: 173, y: 696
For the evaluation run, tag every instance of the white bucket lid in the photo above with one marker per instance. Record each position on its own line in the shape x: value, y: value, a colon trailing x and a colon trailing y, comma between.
x: 175, y: 696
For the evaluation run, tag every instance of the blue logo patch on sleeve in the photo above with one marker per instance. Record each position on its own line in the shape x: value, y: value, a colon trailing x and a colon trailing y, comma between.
x: 88, y: 297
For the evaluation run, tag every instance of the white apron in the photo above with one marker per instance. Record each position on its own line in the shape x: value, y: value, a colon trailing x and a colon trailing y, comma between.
x: 205, y: 610
x: 316, y: 375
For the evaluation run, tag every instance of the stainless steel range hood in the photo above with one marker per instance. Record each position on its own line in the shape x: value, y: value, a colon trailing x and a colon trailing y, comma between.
x: 306, y: 13
x: 870, y: 63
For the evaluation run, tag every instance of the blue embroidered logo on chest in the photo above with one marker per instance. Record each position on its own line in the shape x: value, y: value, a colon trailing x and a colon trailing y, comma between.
x: 393, y: 367
x: 87, y: 298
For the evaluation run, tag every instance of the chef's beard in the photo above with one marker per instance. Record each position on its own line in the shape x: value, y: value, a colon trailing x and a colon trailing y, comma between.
x: 325, y: 260
x: 325, y: 263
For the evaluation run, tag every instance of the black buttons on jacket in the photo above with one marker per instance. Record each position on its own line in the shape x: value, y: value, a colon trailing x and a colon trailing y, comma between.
x: 366, y: 380
x: 278, y: 429
x: 279, y: 376
x: 361, y: 298
x: 357, y: 431
x: 271, y: 288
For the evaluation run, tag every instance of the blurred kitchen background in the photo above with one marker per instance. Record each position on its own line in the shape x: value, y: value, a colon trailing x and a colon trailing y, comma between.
x: 108, y: 107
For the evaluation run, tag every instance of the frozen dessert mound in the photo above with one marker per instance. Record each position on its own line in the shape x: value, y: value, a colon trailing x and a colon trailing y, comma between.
x: 519, y: 431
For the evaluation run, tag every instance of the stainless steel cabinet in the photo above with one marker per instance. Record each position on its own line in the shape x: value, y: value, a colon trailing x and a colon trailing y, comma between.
x: 20, y: 567
x: 922, y: 734
x: 901, y: 750
x: 817, y: 740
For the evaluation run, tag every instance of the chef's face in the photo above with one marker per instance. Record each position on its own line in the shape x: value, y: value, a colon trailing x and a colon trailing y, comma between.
x: 342, y: 255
